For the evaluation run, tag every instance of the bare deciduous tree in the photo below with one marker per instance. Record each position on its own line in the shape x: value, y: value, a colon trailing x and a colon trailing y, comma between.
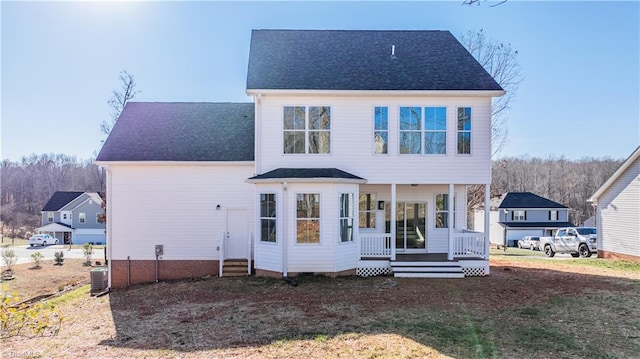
x: 119, y: 99
x: 501, y: 61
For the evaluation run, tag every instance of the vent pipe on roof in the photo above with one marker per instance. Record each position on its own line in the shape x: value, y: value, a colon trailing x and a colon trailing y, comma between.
x: 393, y: 52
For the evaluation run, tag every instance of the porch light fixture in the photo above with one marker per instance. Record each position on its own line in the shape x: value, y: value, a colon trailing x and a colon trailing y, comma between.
x: 217, y: 207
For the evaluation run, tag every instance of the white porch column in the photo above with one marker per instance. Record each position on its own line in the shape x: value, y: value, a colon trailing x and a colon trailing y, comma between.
x: 487, y: 217
x: 450, y: 221
x: 393, y: 221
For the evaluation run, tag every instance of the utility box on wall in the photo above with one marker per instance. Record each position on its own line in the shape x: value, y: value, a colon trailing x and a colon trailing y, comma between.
x: 159, y: 249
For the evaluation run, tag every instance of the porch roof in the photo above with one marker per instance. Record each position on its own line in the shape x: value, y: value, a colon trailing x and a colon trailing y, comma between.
x: 55, y: 227
x: 307, y: 175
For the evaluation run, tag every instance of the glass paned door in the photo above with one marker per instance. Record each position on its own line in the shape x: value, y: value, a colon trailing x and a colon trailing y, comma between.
x: 411, y: 235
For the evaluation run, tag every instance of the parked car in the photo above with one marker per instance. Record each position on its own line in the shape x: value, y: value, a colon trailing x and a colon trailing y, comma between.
x: 529, y: 242
x: 42, y: 240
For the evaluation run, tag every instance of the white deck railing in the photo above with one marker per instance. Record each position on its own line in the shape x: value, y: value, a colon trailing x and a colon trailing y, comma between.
x: 467, y: 244
x: 376, y: 245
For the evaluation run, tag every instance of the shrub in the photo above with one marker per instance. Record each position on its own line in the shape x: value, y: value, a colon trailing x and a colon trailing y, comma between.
x: 37, y: 259
x: 18, y: 319
x: 87, y: 250
x: 59, y: 258
x: 9, y: 258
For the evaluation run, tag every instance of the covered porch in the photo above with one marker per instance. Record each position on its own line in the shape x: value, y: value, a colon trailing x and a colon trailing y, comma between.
x: 424, y: 232
x: 59, y: 231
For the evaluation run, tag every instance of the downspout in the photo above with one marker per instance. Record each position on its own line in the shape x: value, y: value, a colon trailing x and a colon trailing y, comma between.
x: 109, y: 219
x: 284, y: 230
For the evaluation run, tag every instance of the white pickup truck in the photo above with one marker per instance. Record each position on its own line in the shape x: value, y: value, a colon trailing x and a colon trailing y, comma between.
x: 578, y: 241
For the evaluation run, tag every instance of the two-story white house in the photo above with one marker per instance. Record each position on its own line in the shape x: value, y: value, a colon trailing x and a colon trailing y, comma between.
x: 354, y: 158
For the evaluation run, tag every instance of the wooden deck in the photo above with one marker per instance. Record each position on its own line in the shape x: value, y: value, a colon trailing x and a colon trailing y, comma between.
x: 423, y: 257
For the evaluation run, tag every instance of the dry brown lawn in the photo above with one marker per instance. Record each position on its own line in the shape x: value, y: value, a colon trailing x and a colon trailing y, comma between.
x: 524, y: 309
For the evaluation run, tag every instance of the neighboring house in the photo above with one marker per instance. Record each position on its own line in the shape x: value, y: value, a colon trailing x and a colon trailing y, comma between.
x: 354, y: 158
x: 617, y: 204
x: 73, y: 216
x: 520, y: 214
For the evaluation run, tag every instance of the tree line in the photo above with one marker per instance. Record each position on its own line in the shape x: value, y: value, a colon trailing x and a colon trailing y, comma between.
x: 29, y: 183
x: 568, y: 182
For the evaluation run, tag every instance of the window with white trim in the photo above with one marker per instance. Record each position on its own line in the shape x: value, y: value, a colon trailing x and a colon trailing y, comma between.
x: 553, y: 215
x: 442, y: 210
x: 367, y: 210
x: 268, y: 217
x: 308, y: 218
x: 410, y: 130
x: 346, y: 217
x: 381, y: 130
x: 49, y: 217
x: 82, y: 217
x: 519, y: 215
x: 423, y: 130
x: 464, y: 130
x: 435, y: 130
x: 307, y: 132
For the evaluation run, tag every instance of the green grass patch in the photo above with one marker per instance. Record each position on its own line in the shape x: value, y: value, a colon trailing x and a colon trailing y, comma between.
x: 71, y: 295
x: 546, y: 337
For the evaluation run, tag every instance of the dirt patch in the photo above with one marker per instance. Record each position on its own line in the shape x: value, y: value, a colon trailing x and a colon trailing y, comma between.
x: 30, y: 282
x: 522, y: 310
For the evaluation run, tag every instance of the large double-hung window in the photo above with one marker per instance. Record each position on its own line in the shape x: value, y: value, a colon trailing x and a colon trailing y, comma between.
x: 308, y: 218
x: 307, y: 130
x: 423, y: 130
x: 268, y: 217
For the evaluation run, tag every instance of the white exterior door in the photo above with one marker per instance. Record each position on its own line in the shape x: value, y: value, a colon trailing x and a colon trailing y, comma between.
x: 237, y: 243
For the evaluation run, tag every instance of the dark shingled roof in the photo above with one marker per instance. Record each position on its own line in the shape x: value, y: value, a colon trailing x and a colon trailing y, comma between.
x: 362, y: 60
x: 181, y: 131
x: 306, y: 173
x: 527, y: 200
x: 60, y: 199
x: 537, y: 224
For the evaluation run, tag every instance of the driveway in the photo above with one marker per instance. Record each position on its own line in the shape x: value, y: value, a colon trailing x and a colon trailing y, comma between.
x: 24, y: 253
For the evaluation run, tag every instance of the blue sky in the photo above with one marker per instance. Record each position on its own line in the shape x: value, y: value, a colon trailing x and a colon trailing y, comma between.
x: 60, y: 62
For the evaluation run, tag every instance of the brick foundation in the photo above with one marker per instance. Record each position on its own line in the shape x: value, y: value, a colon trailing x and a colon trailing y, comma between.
x: 144, y: 271
x: 614, y: 255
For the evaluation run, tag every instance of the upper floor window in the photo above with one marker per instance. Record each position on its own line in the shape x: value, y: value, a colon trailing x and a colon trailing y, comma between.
x: 49, y: 217
x: 82, y: 217
x: 553, y: 215
x: 307, y: 131
x: 381, y: 130
x: 268, y: 217
x: 410, y: 130
x: 519, y: 215
x: 367, y: 210
x: 414, y: 131
x: 435, y: 126
x: 464, y: 130
x: 64, y: 216
x: 346, y: 217
x: 308, y: 218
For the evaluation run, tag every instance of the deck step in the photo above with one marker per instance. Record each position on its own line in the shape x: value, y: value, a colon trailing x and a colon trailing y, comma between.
x: 428, y: 275
x: 235, y: 268
x: 427, y: 269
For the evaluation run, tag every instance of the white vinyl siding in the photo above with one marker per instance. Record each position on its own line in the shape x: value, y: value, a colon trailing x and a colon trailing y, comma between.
x: 143, y: 202
x: 351, y: 140
x: 618, y: 213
